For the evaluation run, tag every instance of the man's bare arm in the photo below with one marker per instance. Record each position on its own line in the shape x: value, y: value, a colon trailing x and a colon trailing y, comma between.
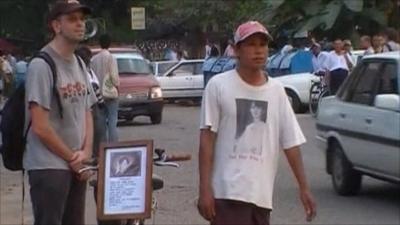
x: 88, y: 143
x: 206, y: 157
x: 295, y: 160
x: 47, y: 135
x: 206, y: 203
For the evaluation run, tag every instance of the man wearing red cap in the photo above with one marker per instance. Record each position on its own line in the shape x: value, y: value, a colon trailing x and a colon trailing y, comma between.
x: 59, y: 138
x: 246, y: 119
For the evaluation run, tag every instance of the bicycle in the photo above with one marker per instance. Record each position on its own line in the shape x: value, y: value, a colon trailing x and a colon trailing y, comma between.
x: 160, y: 159
x: 318, y: 90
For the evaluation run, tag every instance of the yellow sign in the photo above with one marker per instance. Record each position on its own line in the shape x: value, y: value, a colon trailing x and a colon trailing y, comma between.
x: 138, y: 19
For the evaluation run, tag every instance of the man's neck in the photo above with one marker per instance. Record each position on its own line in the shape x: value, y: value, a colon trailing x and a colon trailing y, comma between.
x: 255, y: 77
x: 64, y: 48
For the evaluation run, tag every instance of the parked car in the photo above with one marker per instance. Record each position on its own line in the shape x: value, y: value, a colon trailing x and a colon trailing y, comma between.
x: 183, y: 80
x: 140, y: 93
x: 359, y: 128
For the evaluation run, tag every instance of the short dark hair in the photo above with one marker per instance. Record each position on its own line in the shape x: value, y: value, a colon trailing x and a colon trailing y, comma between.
x: 105, y: 41
x: 214, y: 51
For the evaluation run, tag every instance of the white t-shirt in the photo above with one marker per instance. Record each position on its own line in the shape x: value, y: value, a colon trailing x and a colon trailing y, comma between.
x: 253, y: 123
x: 320, y: 62
x: 336, y: 61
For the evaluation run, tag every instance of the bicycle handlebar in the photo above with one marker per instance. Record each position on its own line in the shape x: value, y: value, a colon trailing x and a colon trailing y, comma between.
x: 160, y: 159
x: 178, y: 157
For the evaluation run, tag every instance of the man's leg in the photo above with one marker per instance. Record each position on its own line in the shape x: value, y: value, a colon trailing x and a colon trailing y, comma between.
x: 260, y: 215
x: 74, y: 213
x: 49, y: 191
x: 112, y: 119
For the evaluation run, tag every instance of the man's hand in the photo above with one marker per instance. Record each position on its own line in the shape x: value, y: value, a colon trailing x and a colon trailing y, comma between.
x: 76, y: 163
x: 206, y: 204
x: 308, y: 204
x: 85, y: 175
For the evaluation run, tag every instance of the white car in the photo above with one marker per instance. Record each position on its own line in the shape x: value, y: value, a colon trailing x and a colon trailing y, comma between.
x: 183, y: 80
x: 359, y: 128
x: 298, y: 85
x: 297, y: 88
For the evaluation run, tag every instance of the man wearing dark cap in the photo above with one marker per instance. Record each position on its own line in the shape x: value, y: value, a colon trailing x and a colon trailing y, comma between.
x: 59, y: 138
x: 246, y: 120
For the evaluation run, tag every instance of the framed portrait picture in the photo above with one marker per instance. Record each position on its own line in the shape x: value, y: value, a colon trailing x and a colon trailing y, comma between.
x: 124, y: 180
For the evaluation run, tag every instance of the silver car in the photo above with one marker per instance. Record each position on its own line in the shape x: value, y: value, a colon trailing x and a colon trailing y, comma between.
x: 183, y: 80
x: 359, y: 128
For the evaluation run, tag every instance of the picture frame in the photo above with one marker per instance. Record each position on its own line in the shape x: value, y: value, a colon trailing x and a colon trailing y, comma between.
x: 125, y: 180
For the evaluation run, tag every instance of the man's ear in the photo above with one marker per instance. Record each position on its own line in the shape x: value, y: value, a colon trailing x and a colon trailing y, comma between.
x: 55, y: 26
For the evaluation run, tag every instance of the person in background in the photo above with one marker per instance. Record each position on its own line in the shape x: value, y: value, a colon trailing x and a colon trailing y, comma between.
x: 319, y: 59
x: 103, y: 64
x: 207, y: 49
x: 347, y: 46
x: 12, y: 60
x: 391, y: 38
x: 377, y: 44
x: 214, y: 52
x: 339, y: 64
x: 6, y: 75
x: 229, y: 51
x: 365, y: 44
x: 180, y: 55
x: 20, y: 71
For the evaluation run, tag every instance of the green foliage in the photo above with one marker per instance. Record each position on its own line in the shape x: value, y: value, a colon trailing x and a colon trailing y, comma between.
x: 25, y: 19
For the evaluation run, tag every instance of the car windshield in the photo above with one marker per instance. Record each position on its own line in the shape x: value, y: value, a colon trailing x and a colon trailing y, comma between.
x: 133, y: 66
x: 162, y: 67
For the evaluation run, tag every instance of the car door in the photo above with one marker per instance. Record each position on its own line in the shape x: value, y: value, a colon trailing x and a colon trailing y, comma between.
x: 351, y: 114
x: 382, y: 127
x: 198, y: 80
x: 177, y: 82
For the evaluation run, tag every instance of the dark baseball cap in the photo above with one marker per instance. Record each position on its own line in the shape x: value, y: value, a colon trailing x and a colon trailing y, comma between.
x: 62, y: 7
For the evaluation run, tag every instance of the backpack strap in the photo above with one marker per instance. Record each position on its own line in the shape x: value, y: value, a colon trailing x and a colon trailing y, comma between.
x: 79, y: 61
x: 47, y: 58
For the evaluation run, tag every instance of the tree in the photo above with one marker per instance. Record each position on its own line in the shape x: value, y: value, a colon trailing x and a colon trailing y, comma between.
x: 330, y: 16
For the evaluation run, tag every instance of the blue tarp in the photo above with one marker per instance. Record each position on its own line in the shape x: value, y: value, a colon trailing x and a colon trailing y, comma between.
x: 297, y: 61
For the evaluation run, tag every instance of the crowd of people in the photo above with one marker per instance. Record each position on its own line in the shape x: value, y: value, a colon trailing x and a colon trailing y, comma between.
x: 335, y: 65
x: 162, y: 49
x: 12, y: 72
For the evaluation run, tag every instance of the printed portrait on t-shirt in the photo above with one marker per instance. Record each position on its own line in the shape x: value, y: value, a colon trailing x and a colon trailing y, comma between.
x: 125, y: 164
x: 250, y: 126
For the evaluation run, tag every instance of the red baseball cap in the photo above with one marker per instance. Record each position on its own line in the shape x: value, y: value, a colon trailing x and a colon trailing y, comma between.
x: 62, y: 7
x: 249, y: 28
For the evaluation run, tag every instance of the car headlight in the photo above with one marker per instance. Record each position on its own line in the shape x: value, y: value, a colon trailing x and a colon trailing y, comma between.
x: 155, y: 92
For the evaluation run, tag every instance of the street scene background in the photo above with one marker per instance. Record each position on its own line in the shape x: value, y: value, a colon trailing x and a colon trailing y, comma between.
x: 378, y: 202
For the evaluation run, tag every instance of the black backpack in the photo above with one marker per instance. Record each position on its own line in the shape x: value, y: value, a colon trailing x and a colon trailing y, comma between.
x: 13, y: 121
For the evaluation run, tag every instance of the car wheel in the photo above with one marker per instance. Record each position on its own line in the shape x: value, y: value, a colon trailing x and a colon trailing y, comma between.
x: 156, y: 118
x: 346, y: 181
x: 294, y: 101
x: 129, y: 118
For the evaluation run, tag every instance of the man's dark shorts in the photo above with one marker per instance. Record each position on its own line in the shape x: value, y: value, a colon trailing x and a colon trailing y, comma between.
x: 231, y: 212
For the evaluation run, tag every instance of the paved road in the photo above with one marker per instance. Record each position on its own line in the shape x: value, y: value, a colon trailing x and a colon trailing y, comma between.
x: 378, y: 203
